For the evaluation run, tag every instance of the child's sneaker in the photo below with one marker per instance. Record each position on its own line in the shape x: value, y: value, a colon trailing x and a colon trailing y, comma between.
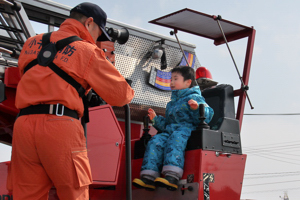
x: 168, y: 182
x: 144, y: 183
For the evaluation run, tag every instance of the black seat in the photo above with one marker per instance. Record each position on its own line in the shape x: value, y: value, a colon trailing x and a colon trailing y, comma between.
x: 221, y: 100
x: 224, y: 132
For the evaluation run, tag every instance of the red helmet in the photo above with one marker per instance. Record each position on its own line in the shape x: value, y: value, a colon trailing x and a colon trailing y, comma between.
x: 204, y: 78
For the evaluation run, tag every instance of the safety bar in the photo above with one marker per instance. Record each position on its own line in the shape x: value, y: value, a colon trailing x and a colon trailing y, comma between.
x: 128, y: 152
x: 244, y: 87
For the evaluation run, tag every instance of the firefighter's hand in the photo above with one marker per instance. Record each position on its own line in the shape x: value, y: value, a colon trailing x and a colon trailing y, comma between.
x: 193, y: 104
x: 151, y: 113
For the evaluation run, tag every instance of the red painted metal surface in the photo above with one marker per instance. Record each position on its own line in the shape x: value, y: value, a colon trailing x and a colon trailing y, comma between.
x: 228, y: 173
x: 8, y: 113
x: 8, y: 106
x: 105, y: 140
x: 117, y: 192
x: 4, y: 193
x: 11, y: 77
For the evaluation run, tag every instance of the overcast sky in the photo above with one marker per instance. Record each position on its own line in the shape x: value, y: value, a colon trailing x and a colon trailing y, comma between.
x: 272, y: 142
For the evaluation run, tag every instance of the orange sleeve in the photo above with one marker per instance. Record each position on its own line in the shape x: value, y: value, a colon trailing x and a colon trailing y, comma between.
x: 107, y: 81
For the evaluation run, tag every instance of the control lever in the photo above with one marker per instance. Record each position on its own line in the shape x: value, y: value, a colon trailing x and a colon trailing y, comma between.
x: 202, y: 117
x: 146, y: 136
x: 140, y: 145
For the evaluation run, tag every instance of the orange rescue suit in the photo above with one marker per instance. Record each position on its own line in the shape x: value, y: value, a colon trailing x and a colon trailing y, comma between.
x: 82, y: 60
x: 51, y: 150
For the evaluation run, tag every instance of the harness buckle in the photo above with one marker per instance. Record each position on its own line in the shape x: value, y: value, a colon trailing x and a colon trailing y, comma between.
x: 62, y: 110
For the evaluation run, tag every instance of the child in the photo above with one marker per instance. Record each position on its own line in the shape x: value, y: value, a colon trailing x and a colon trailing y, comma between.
x: 166, y: 150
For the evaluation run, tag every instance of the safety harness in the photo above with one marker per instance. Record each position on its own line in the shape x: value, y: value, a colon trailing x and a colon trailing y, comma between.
x: 45, y: 58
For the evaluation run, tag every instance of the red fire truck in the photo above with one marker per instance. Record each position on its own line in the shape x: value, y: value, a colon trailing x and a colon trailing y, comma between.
x: 116, y: 137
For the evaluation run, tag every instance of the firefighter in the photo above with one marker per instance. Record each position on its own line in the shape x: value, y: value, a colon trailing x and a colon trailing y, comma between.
x: 165, y: 151
x: 49, y: 147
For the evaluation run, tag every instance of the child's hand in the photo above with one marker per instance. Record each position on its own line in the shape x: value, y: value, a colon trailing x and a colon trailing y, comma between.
x: 193, y: 104
x: 151, y: 113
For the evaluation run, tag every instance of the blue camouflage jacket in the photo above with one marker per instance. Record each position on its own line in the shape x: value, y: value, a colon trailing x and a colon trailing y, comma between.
x: 178, y: 112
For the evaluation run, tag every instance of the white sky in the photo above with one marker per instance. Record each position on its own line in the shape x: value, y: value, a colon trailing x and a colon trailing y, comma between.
x: 273, y: 79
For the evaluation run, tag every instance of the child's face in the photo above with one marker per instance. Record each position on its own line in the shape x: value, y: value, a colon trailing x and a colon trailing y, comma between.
x: 178, y: 82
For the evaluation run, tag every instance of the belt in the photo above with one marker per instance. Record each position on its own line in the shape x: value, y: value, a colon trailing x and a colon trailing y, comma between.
x: 58, y: 109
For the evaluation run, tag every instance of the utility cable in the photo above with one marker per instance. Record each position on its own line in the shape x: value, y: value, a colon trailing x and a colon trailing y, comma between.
x: 262, y: 191
x: 270, y: 151
x: 261, y: 114
x: 273, y: 176
x: 293, y: 146
x: 276, y: 159
x: 255, y: 174
x: 275, y: 144
x: 271, y: 183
